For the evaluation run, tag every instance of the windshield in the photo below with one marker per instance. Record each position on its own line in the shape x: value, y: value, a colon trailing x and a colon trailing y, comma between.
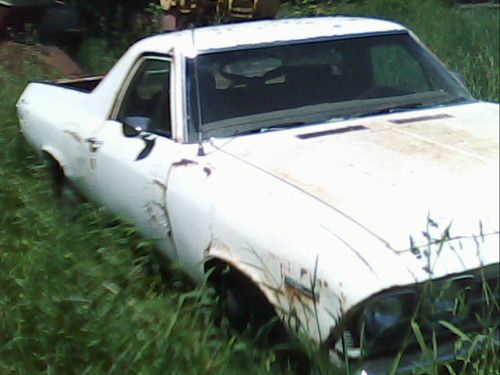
x: 261, y: 89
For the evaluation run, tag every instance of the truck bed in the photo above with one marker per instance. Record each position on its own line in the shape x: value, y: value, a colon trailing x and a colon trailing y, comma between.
x: 86, y: 84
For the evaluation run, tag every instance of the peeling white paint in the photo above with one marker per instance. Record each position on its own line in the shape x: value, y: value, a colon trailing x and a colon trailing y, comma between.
x: 290, y: 213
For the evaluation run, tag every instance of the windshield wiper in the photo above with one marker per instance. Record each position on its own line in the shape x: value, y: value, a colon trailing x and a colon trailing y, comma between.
x: 296, y: 124
x: 458, y: 99
x: 389, y: 109
x: 286, y: 125
x: 291, y: 124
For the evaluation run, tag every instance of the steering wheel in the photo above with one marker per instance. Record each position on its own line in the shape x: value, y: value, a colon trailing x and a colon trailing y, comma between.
x: 238, y: 79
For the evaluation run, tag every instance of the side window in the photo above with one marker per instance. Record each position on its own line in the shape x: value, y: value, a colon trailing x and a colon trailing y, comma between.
x: 146, y: 103
x: 394, y: 68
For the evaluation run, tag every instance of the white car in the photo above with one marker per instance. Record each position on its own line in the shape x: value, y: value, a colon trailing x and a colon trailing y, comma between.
x: 333, y: 165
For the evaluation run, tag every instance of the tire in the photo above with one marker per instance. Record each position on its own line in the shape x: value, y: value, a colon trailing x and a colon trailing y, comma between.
x: 249, y: 311
x: 245, y: 303
x: 66, y: 196
x: 246, y: 307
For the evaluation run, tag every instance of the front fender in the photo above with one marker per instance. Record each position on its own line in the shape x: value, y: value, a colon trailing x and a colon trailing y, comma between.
x: 222, y: 252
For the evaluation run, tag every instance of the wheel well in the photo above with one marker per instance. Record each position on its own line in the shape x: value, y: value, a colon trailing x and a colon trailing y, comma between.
x: 218, y: 269
x: 257, y: 312
x: 223, y: 275
x: 56, y: 171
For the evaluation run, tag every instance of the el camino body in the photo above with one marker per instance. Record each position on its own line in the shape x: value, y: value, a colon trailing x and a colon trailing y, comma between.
x: 333, y: 207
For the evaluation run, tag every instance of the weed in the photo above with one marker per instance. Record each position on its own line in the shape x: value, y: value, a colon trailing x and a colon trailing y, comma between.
x: 76, y: 300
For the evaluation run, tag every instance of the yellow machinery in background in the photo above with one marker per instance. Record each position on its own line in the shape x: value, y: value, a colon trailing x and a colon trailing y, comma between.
x: 180, y: 14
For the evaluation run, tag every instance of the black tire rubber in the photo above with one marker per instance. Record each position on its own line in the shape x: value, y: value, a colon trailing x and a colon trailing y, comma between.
x: 246, y: 307
x: 66, y: 195
x: 56, y: 173
x: 248, y: 310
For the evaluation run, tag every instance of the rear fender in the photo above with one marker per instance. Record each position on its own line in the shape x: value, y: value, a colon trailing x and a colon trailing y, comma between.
x: 50, y: 152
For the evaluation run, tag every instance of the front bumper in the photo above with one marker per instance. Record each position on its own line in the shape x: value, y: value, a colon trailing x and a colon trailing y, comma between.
x: 410, y: 362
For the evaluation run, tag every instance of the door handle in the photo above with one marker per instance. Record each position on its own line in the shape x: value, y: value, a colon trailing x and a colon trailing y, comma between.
x: 94, y: 144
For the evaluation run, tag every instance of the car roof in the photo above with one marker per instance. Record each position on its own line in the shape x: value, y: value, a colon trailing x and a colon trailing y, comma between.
x: 253, y: 33
x: 266, y: 32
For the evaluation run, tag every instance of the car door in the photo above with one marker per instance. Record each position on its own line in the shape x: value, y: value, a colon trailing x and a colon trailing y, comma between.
x: 131, y: 154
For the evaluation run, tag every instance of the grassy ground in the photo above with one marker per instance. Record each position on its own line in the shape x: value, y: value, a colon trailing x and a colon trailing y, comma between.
x: 82, y: 296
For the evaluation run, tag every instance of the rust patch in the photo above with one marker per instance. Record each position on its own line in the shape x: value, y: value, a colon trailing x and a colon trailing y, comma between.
x: 421, y: 118
x: 206, y: 252
x: 293, y: 293
x: 295, y: 289
x: 207, y: 170
x: 217, y: 246
x: 183, y: 163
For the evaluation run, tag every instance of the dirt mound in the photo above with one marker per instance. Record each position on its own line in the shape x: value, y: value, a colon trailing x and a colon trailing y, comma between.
x: 52, y: 60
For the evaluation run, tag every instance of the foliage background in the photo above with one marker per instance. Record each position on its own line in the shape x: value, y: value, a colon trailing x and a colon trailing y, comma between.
x: 83, y: 295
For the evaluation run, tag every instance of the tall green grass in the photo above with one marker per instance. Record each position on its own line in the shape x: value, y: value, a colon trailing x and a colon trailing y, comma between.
x: 84, y: 296
x: 467, y: 40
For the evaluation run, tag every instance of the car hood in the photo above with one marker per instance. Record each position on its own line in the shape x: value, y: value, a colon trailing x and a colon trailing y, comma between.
x: 398, y: 176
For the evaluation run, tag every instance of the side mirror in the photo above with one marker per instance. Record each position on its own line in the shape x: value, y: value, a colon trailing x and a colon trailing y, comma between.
x: 135, y: 125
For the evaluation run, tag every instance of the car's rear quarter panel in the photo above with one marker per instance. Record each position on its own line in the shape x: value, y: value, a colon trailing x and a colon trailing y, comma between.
x: 46, y: 114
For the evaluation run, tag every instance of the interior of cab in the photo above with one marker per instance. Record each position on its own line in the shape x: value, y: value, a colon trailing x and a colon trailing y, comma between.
x: 242, y: 83
x: 146, y: 103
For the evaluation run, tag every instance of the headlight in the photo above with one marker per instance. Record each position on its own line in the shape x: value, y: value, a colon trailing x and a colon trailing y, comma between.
x: 447, y: 300
x: 384, y: 314
x: 382, y: 324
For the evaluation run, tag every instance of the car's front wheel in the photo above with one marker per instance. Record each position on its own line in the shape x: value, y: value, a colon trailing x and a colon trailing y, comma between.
x: 245, y: 305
